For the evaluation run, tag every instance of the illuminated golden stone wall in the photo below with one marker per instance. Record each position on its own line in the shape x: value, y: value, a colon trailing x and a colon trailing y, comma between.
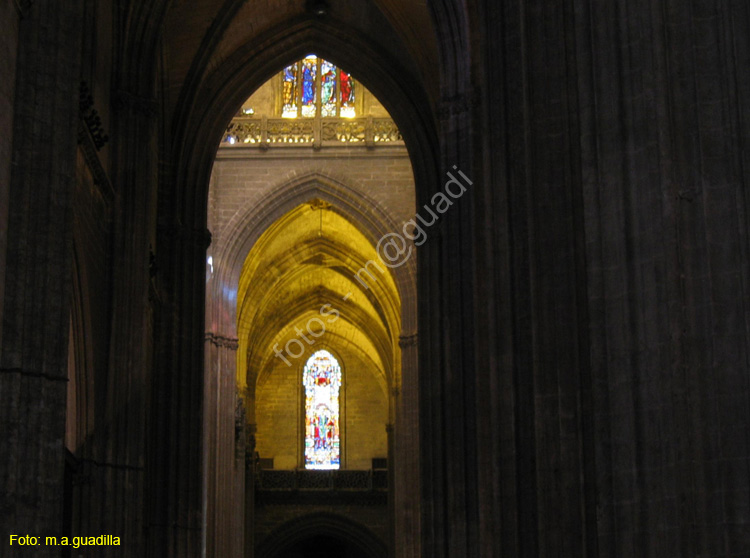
x: 294, y: 229
x: 307, y: 258
x: 302, y: 288
x: 279, y: 412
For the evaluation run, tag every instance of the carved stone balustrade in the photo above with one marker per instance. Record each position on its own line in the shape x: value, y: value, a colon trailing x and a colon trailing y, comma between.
x: 265, y: 132
x: 304, y: 486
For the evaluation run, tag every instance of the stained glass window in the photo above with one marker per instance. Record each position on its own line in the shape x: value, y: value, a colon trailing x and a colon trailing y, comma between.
x: 290, y: 91
x: 327, y: 88
x: 309, y: 71
x: 314, y: 86
x: 322, y: 381
x: 346, y: 99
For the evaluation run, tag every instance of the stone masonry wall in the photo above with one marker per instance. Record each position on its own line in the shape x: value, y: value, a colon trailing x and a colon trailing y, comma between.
x: 244, y: 176
x: 364, y: 409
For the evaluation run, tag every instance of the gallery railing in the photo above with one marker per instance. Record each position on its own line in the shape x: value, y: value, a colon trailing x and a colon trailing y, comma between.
x: 264, y: 132
x: 301, y: 479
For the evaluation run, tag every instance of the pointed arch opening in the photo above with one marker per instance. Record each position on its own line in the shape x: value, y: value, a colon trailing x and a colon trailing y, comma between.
x: 381, y: 344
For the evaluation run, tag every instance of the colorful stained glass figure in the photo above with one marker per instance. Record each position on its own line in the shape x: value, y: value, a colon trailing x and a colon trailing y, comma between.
x: 327, y: 89
x: 346, y: 100
x: 289, y: 109
x: 314, y: 86
x: 322, y: 381
x: 309, y: 71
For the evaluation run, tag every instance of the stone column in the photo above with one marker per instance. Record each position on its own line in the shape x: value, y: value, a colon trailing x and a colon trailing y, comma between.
x: 10, y: 15
x: 224, y: 440
x: 392, y: 488
x: 176, y: 477
x: 250, y: 471
x: 663, y: 94
x: 404, y: 461
x: 448, y: 410
x: 120, y: 446
x: 36, y: 312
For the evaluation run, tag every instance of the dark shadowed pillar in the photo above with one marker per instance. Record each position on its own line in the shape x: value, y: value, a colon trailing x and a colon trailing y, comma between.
x: 176, y: 483
x: 447, y: 378
x: 33, y: 357
x: 10, y: 15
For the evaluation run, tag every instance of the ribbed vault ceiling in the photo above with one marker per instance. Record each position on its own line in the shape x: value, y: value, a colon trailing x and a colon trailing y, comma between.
x: 314, y: 271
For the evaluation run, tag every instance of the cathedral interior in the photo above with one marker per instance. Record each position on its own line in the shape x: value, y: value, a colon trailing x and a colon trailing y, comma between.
x: 375, y: 278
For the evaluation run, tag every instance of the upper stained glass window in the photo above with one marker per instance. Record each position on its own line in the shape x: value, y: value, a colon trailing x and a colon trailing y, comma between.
x: 289, y: 91
x: 314, y: 86
x: 322, y: 381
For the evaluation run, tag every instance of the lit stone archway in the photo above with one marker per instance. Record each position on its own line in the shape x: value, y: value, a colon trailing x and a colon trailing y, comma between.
x: 200, y: 120
x: 280, y: 260
x: 313, y: 278
x: 290, y: 205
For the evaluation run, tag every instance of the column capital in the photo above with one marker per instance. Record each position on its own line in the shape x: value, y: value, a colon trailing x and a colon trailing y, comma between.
x: 407, y: 339
x: 221, y: 341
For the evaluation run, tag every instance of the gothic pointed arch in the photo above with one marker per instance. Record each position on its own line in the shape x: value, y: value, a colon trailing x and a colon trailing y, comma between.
x: 197, y: 131
x: 206, y: 113
x: 255, y: 217
x: 308, y: 526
